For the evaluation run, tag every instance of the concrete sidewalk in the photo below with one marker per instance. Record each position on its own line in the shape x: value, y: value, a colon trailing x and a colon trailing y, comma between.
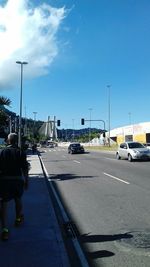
x: 38, y: 242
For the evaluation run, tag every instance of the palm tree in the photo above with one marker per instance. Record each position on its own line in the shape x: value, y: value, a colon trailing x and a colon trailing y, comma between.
x: 4, y: 101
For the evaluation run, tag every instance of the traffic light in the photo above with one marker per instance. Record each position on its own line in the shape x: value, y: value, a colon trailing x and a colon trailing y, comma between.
x: 104, y: 134
x: 58, y: 122
x: 82, y: 121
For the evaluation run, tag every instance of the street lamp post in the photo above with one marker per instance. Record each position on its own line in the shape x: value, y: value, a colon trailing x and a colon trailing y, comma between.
x: 10, y: 124
x: 73, y: 129
x: 108, y: 86
x: 25, y: 126
x: 90, y: 109
x: 20, y: 117
x: 34, y: 112
x: 66, y: 137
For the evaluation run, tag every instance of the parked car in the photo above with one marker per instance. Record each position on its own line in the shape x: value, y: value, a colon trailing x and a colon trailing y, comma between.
x: 132, y: 151
x: 74, y: 148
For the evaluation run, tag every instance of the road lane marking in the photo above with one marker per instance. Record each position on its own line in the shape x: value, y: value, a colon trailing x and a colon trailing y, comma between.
x: 76, y: 161
x: 116, y: 178
x: 110, y: 158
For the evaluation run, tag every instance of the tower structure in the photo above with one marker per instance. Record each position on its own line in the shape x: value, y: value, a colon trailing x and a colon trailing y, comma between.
x: 49, y: 129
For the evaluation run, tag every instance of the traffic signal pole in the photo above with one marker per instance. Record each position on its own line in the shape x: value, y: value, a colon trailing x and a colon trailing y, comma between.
x: 83, y: 122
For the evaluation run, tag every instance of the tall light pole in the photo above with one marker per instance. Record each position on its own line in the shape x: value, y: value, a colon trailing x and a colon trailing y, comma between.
x: 20, y: 117
x: 90, y: 109
x: 10, y: 124
x: 73, y: 128
x: 108, y: 86
x: 34, y: 112
x: 66, y: 137
x: 25, y: 126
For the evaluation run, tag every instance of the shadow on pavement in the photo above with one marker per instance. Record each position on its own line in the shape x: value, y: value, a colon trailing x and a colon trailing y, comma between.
x: 68, y: 176
x: 104, y: 238
x: 100, y: 254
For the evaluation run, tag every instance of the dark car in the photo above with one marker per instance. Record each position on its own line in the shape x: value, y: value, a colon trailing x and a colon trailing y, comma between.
x: 75, y: 148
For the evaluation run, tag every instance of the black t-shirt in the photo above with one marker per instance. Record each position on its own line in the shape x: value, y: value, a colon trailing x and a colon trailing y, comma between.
x: 12, y: 161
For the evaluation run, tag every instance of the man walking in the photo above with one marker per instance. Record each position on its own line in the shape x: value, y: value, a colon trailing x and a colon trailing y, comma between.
x: 13, y: 181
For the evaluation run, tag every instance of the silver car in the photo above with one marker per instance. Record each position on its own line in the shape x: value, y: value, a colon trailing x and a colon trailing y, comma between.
x: 132, y: 151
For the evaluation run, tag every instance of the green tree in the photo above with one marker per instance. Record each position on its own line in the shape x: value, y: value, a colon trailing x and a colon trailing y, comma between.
x: 3, y: 115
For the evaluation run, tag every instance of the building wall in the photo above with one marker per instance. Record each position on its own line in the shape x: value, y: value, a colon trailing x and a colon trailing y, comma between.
x: 136, y: 132
x: 120, y: 139
x: 140, y: 138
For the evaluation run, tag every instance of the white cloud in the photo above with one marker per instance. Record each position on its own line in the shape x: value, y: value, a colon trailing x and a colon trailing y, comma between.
x: 27, y: 33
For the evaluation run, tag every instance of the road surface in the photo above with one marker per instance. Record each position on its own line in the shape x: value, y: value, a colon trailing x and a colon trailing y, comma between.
x: 109, y: 202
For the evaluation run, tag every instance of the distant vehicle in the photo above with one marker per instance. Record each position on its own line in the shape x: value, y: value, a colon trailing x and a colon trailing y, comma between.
x: 132, y: 151
x: 75, y: 148
x: 51, y: 144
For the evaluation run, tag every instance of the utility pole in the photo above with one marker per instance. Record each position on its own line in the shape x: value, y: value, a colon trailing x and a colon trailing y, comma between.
x: 73, y: 128
x: 34, y: 112
x: 108, y: 86
x: 90, y: 109
x: 10, y: 124
x: 21, y: 89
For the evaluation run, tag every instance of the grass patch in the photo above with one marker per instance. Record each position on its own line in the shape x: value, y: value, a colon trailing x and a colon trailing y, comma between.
x: 107, y: 148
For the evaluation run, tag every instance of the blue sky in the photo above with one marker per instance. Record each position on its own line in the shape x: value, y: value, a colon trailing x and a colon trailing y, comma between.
x: 74, y: 49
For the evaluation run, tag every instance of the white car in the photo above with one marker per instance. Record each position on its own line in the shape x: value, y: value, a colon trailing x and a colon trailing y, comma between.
x: 147, y: 145
x: 132, y: 151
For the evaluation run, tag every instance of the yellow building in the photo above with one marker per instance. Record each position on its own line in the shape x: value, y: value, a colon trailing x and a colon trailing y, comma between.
x: 137, y: 132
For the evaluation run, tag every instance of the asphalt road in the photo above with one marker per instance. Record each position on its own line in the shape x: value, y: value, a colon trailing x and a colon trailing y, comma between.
x: 109, y: 202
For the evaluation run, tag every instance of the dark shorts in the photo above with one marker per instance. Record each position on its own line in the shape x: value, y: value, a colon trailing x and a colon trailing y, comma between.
x: 10, y: 189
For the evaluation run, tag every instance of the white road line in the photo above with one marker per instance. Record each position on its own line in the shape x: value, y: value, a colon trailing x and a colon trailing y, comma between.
x: 54, y: 150
x: 76, y: 161
x: 110, y: 158
x: 116, y: 178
